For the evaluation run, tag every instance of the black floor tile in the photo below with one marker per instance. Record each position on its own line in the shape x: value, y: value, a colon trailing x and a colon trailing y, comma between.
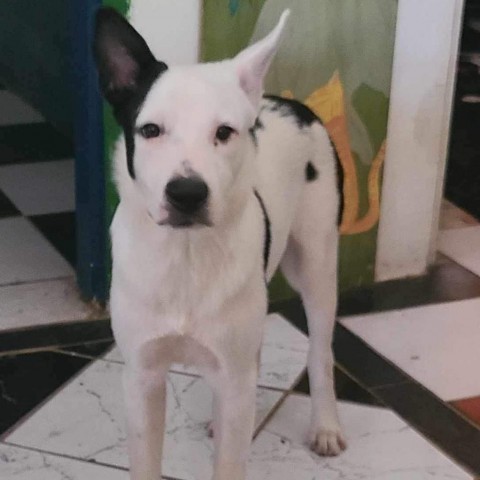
x: 55, y: 336
x: 59, y: 228
x: 7, y: 208
x: 292, y: 310
x: 445, y: 282
x: 351, y: 353
x: 362, y: 363
x: 33, y: 142
x: 347, y: 389
x: 436, y: 420
x: 28, y: 379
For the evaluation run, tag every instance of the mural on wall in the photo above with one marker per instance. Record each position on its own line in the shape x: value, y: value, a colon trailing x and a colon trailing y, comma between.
x: 337, y: 58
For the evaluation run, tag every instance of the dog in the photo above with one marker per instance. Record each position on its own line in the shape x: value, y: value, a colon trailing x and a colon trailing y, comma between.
x: 219, y: 185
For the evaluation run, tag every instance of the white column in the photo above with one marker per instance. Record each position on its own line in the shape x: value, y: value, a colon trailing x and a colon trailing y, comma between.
x: 426, y: 47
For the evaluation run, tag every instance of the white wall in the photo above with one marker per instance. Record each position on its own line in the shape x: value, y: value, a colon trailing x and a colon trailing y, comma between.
x: 170, y: 27
x: 425, y: 55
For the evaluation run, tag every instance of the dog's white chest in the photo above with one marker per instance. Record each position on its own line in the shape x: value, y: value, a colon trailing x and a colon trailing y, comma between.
x: 165, y: 284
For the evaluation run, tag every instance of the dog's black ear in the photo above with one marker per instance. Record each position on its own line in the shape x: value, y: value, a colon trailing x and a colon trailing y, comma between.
x: 122, y: 56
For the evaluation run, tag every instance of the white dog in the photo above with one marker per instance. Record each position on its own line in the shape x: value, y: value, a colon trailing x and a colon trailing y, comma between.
x: 218, y: 187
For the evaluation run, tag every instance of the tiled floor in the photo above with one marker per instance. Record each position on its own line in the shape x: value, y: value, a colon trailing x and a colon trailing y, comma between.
x: 83, y: 424
x: 444, y: 345
x: 405, y: 377
x: 37, y: 221
x: 458, y: 244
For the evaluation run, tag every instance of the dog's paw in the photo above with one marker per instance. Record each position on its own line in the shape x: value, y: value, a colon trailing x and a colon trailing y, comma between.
x: 327, y: 442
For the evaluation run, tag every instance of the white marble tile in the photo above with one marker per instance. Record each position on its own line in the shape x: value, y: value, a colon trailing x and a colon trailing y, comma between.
x: 13, y: 110
x: 85, y: 420
x: 26, y: 255
x: 436, y: 344
x: 283, y: 359
x: 114, y: 355
x: 452, y: 217
x: 380, y: 447
x: 284, y: 353
x: 41, y: 187
x: 40, y: 303
x: 463, y: 246
x: 21, y: 464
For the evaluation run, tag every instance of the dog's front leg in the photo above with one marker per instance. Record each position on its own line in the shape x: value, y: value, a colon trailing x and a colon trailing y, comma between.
x: 145, y: 402
x: 234, y: 422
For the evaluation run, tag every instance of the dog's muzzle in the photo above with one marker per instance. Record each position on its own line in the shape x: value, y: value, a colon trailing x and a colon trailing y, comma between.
x: 187, y: 199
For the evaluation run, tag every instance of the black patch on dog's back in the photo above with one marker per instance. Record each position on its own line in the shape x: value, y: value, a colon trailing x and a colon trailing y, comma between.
x: 287, y: 107
x: 258, y: 125
x: 305, y: 117
x: 311, y: 172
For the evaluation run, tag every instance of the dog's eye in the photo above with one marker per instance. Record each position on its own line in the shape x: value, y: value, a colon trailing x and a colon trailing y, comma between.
x: 224, y: 132
x: 151, y: 130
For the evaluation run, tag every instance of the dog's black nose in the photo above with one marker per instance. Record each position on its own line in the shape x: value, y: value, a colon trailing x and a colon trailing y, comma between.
x: 187, y: 194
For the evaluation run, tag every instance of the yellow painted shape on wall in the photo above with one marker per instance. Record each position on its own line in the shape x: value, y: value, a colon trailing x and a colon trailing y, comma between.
x: 328, y: 103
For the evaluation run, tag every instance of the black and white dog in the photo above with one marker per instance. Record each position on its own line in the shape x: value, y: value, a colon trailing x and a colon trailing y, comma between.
x: 219, y: 185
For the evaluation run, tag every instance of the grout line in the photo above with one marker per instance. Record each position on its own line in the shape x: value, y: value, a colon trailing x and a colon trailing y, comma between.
x: 62, y: 455
x: 279, y: 403
x: 71, y: 353
x: 39, y: 280
x: 437, y: 445
x: 70, y: 457
x: 54, y: 348
x: 460, y: 413
x: 436, y: 398
x: 172, y: 370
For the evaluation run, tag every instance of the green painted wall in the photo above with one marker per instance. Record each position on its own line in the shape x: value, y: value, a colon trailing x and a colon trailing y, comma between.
x: 351, y: 37
x: 111, y: 132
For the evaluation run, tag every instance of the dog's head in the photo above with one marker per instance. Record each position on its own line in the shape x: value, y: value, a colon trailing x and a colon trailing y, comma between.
x: 186, y: 128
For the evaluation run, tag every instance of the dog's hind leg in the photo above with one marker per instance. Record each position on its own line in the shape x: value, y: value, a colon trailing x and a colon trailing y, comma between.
x: 145, y: 402
x: 310, y: 266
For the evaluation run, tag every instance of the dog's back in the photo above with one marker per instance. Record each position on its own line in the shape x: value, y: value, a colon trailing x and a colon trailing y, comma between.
x: 294, y: 157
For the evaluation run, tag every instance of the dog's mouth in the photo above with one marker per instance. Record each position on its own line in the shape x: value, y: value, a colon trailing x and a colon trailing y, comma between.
x: 177, y: 219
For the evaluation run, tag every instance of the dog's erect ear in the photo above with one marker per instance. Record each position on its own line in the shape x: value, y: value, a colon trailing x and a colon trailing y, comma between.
x: 122, y: 56
x: 253, y: 62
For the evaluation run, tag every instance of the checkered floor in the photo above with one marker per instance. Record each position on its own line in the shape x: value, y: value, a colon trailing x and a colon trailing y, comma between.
x: 37, y: 220
x: 37, y: 198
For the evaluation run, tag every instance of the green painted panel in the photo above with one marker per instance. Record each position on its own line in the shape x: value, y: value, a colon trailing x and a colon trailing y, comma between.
x: 111, y: 132
x: 337, y: 57
x: 227, y: 27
